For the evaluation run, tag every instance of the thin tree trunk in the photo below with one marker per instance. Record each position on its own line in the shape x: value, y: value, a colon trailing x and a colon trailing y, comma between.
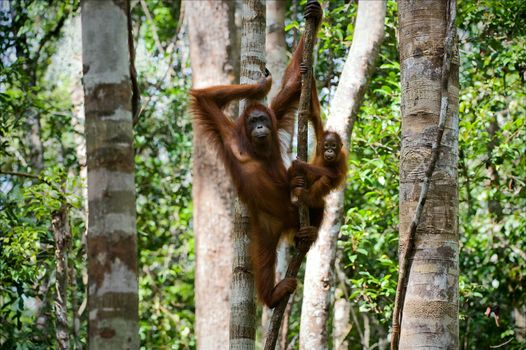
x: 276, y: 51
x: 253, y: 19
x: 494, y: 205
x: 366, y: 331
x: 302, y: 140
x: 62, y: 237
x: 36, y: 150
x: 276, y: 47
x: 73, y: 47
x: 112, y: 247
x: 341, y: 323
x: 519, y: 318
x: 42, y: 317
x: 277, y: 60
x: 214, y: 58
x: 243, y: 306
x: 430, y: 310
x: 367, y: 38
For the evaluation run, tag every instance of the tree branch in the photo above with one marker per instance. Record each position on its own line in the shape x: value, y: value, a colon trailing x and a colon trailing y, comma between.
x: 19, y: 174
x: 304, y: 110
x: 36, y: 177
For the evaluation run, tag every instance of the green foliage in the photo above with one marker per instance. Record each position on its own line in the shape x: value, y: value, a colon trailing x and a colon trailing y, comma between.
x: 163, y: 148
x: 334, y: 42
x: 491, y: 214
x: 370, y: 232
x: 164, y: 21
x: 29, y: 34
x: 492, y: 166
x: 491, y: 173
x: 27, y: 252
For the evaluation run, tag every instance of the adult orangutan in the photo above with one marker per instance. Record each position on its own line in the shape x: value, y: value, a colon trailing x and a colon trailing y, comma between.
x: 249, y: 148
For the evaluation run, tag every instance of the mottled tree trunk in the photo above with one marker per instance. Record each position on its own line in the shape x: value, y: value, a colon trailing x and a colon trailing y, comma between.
x: 214, y: 58
x: 367, y: 38
x: 36, y: 150
x: 62, y: 236
x: 112, y: 247
x: 276, y: 51
x: 243, y: 306
x: 430, y: 311
x: 253, y: 20
x: 242, y: 302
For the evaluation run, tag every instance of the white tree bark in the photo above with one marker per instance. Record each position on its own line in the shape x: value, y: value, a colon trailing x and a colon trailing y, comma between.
x: 367, y: 38
x: 112, y: 248
x: 519, y: 317
x: 243, y: 306
x: 276, y: 47
x: 341, y: 321
x: 213, y: 60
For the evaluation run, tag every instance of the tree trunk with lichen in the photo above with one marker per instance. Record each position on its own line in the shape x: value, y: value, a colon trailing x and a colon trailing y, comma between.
x: 430, y: 310
x: 214, y: 58
x: 62, y: 237
x: 111, y: 243
x: 243, y: 304
x: 367, y: 38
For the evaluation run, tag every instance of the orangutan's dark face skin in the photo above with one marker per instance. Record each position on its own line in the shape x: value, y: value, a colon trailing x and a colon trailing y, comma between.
x: 331, y: 147
x: 258, y: 124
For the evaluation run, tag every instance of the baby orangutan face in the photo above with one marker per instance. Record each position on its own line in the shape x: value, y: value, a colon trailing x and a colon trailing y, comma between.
x: 332, y: 145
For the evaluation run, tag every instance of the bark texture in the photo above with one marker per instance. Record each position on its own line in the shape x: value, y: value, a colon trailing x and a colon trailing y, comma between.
x: 358, y: 68
x: 112, y: 248
x: 341, y: 322
x: 252, y: 42
x: 519, y: 318
x: 214, y: 56
x: 430, y: 310
x: 62, y: 236
x: 243, y: 303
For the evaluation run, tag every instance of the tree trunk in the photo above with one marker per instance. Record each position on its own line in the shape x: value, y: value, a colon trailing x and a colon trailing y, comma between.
x: 243, y: 306
x: 276, y: 47
x: 112, y: 247
x: 430, y: 310
x: 62, y: 237
x: 214, y: 56
x: 276, y: 51
x: 252, y: 42
x: 72, y: 48
x: 342, y: 324
x: 519, y: 318
x: 367, y: 38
